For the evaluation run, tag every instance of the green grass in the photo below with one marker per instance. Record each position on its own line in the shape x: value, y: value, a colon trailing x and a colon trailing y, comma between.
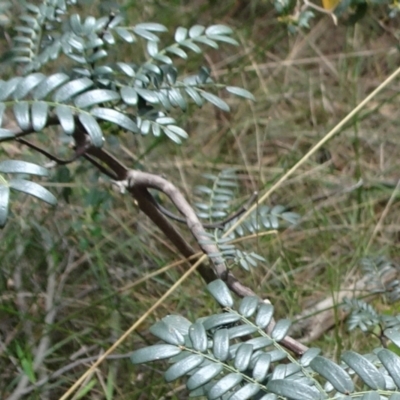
x: 86, y: 261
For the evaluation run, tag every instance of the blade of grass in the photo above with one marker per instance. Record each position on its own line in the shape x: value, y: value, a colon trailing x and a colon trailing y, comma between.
x: 314, y: 149
x: 383, y: 215
x: 131, y: 329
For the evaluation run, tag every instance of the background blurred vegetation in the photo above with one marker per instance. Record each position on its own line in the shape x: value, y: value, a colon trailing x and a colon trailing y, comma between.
x: 99, y: 249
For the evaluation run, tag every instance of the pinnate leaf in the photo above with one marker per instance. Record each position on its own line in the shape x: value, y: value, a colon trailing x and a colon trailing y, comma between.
x: 166, y: 333
x: 240, y: 92
x: 248, y: 306
x: 33, y: 189
x: 335, y: 375
x: 220, y: 291
x: 196, y: 31
x: 241, y: 330
x: 94, y: 97
x: 39, y: 113
x: 183, y: 367
x: 221, y: 344
x: 5, y: 134
x: 152, y: 27
x: 220, y: 319
x: 225, y: 39
x: 4, y: 200
x: 243, y: 356
x: 179, y: 131
x: 292, y: 390
x: 264, y: 315
x: 394, y: 335
x: 125, y: 34
x: 48, y: 85
x: 22, y: 167
x: 198, y: 336
x: 71, y: 89
x: 224, y: 385
x: 27, y: 84
x: 129, y: 95
x: 21, y: 113
x: 148, y: 95
x: 190, y: 45
x: 145, y: 34
x: 218, y: 30
x: 215, y: 100
x: 391, y: 362
x: 92, y: 129
x: 365, y: 370
x: 280, y: 329
x: 246, y: 392
x: 181, y: 324
x: 8, y: 87
x: 203, y: 376
x: 180, y: 34
x: 155, y: 352
x: 177, y: 51
x: 116, y: 117
x: 66, y: 118
x: 261, y: 367
x: 309, y: 355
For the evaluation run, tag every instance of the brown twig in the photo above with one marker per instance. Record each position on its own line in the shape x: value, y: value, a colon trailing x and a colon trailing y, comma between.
x: 52, y: 157
x: 145, y: 180
x: 142, y: 196
x: 216, y: 225
x: 138, y: 183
